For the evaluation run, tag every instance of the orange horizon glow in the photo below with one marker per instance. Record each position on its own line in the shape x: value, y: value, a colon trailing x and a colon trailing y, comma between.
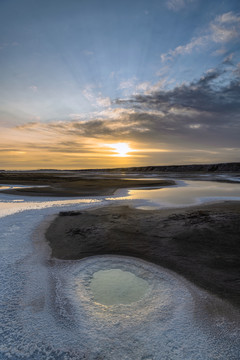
x: 24, y: 148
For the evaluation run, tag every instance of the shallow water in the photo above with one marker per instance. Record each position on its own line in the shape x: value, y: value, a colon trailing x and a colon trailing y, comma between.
x: 185, y: 193
x: 115, y: 286
x: 49, y: 309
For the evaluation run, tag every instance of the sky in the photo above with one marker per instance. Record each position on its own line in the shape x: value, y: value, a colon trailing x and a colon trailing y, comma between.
x: 102, y: 84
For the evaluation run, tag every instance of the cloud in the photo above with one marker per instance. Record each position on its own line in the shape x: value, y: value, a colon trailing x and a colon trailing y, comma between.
x: 132, y: 87
x: 177, y: 5
x: 95, y: 99
x: 195, y: 126
x: 68, y: 147
x: 205, y: 94
x: 147, y: 87
x: 237, y: 70
x: 204, y: 105
x: 195, y: 43
x: 88, y: 93
x: 77, y: 116
x: 114, y: 113
x: 221, y: 51
x: 28, y: 126
x: 223, y: 29
x: 103, y: 101
x: 11, y: 150
x: 126, y: 84
x: 143, y: 86
x: 228, y: 59
x: 203, y: 114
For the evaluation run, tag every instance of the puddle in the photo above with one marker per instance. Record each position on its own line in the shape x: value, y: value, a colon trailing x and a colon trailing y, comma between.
x: 114, y: 286
x: 187, y: 193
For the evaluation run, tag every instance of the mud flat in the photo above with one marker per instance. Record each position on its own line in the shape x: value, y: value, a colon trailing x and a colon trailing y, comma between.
x: 201, y: 243
x: 67, y: 185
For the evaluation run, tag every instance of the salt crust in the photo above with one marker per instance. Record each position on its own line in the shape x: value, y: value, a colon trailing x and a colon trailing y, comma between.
x: 48, y: 312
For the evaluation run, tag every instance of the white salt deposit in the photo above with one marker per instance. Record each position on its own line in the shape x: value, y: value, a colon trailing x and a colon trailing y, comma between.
x: 48, y: 308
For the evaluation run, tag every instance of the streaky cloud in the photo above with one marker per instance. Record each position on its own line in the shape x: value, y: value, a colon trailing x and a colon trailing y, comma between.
x: 222, y: 30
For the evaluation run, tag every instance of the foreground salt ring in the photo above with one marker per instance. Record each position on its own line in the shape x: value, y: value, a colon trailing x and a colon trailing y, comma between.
x: 171, y: 317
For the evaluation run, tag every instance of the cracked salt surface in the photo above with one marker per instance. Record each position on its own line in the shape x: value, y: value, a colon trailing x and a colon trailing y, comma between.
x: 49, y: 311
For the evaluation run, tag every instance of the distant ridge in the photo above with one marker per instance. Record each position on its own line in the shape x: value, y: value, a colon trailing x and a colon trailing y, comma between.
x: 212, y: 168
x: 222, y: 167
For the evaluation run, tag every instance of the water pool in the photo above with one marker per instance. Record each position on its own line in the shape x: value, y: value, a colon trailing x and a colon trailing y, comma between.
x: 185, y: 193
x: 115, y: 286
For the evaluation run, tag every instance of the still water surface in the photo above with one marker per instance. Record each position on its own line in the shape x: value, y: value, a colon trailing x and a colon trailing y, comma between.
x: 116, y: 286
x: 185, y: 193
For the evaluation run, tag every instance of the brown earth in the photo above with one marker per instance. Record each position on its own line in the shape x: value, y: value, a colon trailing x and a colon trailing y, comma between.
x: 201, y: 243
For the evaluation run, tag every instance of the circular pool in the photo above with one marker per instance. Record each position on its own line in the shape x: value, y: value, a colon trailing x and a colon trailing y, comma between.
x: 115, y: 286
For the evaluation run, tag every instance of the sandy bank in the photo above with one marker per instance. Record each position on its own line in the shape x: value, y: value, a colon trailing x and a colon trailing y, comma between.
x: 202, y: 242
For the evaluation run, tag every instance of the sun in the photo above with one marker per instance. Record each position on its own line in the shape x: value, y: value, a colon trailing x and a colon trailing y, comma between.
x: 121, y: 148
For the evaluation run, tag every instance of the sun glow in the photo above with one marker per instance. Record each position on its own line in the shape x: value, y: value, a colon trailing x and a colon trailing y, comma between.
x: 121, y: 148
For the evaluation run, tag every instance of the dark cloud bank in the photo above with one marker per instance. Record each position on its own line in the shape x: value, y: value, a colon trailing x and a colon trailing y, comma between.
x: 206, y: 110
x: 204, y: 114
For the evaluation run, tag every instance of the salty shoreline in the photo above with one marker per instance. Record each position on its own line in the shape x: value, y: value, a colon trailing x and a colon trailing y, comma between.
x: 199, y: 242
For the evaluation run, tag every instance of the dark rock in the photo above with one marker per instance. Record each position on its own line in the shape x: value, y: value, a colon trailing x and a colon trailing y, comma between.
x: 70, y: 213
